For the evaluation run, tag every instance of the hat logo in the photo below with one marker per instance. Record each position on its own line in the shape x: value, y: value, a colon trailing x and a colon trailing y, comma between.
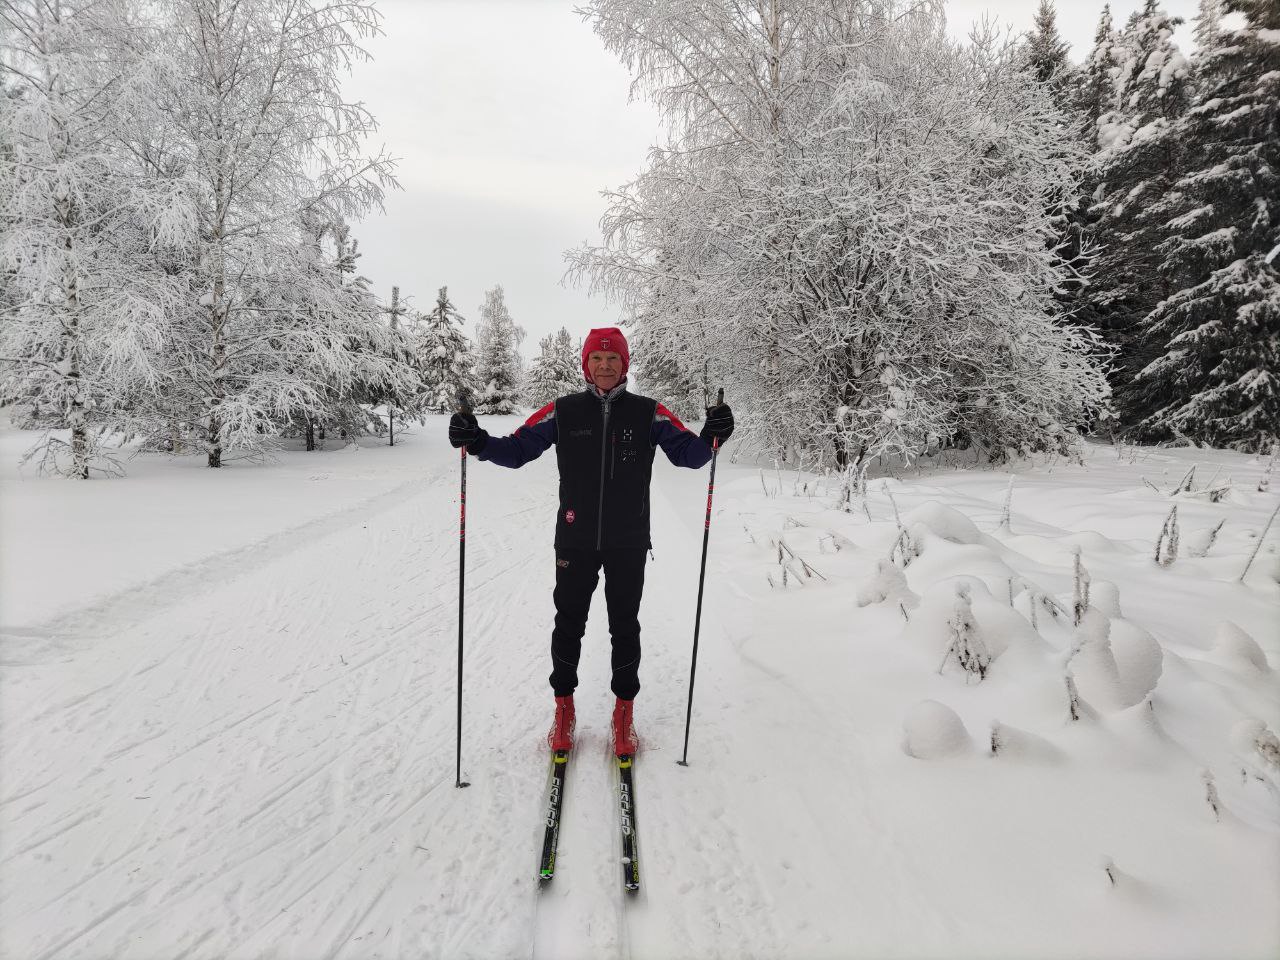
x: 569, y: 516
x: 604, y: 343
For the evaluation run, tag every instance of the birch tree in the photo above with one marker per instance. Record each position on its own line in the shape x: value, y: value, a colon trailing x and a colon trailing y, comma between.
x: 273, y: 155
x: 856, y: 210
x: 84, y: 310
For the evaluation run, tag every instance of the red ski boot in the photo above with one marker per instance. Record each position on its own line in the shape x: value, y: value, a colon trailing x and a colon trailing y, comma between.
x: 625, y: 742
x: 561, y: 735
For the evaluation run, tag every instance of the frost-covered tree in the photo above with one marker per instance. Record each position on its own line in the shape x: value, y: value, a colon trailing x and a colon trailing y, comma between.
x: 84, y: 312
x: 855, y: 211
x: 1136, y: 165
x: 254, y: 121
x: 498, y: 370
x: 1095, y: 90
x: 1216, y: 335
x: 381, y: 372
x: 1208, y: 24
x: 1046, y: 52
x: 399, y: 405
x: 444, y: 356
x: 556, y: 371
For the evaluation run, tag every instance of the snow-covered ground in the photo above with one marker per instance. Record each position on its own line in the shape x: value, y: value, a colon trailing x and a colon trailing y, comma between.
x: 227, y: 708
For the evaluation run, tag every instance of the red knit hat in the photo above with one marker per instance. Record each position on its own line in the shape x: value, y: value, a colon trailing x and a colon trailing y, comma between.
x: 606, y: 340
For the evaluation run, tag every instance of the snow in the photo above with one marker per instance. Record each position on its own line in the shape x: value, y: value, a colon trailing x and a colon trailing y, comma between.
x: 227, y: 715
x: 933, y: 730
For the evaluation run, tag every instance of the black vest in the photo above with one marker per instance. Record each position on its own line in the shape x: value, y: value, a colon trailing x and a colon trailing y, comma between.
x: 605, y: 457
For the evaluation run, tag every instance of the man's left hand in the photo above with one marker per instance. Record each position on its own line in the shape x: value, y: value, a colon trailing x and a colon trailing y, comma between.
x: 718, y: 424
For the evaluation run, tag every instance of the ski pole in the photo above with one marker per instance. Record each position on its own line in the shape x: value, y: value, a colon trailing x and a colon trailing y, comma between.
x: 697, y: 619
x: 464, y: 406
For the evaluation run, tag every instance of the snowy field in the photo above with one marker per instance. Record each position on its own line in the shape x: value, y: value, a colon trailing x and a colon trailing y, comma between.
x: 227, y: 705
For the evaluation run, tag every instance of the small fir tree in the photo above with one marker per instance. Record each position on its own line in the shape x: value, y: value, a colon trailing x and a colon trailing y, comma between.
x: 444, y: 355
x: 556, y: 370
x: 1046, y: 52
x: 498, y: 363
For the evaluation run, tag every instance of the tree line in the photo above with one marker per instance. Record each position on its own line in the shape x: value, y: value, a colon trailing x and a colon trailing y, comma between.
x: 886, y: 241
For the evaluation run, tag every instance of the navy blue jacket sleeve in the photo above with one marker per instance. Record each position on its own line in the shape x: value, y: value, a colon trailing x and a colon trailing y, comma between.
x: 682, y: 446
x: 529, y: 442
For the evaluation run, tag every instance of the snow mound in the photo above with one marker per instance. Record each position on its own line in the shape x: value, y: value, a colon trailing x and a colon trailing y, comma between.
x: 1257, y: 745
x: 1116, y: 664
x: 1093, y: 664
x: 997, y: 626
x: 887, y: 583
x: 1234, y: 648
x: 1012, y: 743
x: 1105, y: 595
x: 1139, y: 658
x: 1090, y: 541
x: 933, y: 731
x: 942, y: 521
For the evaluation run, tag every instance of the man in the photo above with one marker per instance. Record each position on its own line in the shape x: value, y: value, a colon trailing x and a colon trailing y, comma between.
x: 605, y: 439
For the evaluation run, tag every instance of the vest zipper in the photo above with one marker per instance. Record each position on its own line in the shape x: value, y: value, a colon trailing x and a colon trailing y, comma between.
x: 604, y: 450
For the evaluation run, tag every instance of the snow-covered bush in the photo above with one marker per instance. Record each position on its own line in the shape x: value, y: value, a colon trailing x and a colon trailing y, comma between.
x: 966, y: 643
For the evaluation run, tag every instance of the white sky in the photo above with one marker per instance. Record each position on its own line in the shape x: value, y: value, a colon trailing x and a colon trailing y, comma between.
x: 508, y: 118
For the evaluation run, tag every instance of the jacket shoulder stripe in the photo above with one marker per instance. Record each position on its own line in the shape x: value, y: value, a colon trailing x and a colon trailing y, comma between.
x: 662, y: 413
x: 538, y: 416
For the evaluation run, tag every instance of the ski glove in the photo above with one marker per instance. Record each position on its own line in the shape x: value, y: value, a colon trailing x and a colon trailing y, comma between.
x: 718, y: 425
x: 464, y: 431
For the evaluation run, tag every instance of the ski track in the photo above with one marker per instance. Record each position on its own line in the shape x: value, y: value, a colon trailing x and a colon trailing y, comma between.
x: 274, y: 746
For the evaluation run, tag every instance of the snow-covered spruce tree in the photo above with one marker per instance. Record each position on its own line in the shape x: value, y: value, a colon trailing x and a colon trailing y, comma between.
x: 382, y: 371
x: 1045, y: 56
x: 1091, y: 97
x: 1216, y: 337
x: 857, y: 210
x: 398, y: 406
x: 1136, y: 166
x: 84, y: 310
x: 1046, y: 52
x: 497, y: 356
x: 1095, y: 80
x: 444, y: 356
x: 272, y: 153
x: 1208, y: 25
x: 556, y: 370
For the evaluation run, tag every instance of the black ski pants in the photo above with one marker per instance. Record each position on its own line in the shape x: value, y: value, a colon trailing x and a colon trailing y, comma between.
x: 577, y: 573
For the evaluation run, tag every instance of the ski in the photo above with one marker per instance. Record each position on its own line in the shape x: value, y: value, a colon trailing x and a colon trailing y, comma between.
x: 625, y: 766
x: 555, y: 804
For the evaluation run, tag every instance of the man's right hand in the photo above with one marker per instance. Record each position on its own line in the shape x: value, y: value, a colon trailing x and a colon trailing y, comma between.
x: 464, y: 431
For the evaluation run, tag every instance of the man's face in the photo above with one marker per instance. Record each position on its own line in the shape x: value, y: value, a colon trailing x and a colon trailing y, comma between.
x: 605, y: 367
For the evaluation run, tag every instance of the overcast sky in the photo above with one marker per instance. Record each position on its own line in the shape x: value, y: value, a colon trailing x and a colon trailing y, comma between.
x: 508, y: 118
